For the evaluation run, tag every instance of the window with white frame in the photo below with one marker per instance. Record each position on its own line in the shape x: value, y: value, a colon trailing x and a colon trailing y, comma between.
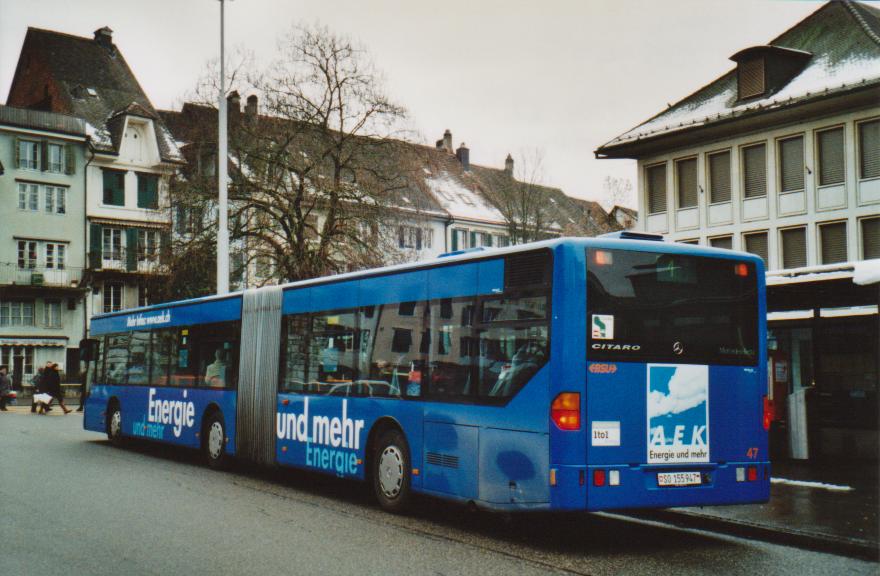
x: 8, y: 354
x: 56, y: 199
x: 56, y: 254
x: 870, y: 238
x: 409, y: 237
x: 27, y: 254
x: 112, y: 248
x: 55, y: 153
x: 719, y: 177
x: 143, y: 296
x: 794, y: 247
x: 52, y: 313
x: 791, y: 164
x: 686, y: 182
x: 16, y: 313
x: 754, y: 167
x: 459, y: 239
x: 869, y: 149
x: 656, y: 183
x: 148, y: 245
x: 502, y: 241
x: 830, y: 164
x: 832, y: 238
x: 28, y: 196
x: 725, y: 242
x: 28, y: 154
x: 113, y: 296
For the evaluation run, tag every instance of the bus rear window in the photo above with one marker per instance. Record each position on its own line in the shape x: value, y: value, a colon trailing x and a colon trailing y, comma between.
x: 659, y: 307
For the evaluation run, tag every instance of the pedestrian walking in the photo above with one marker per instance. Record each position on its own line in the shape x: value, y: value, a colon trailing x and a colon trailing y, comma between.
x: 37, y: 383
x: 52, y: 385
x: 5, y: 387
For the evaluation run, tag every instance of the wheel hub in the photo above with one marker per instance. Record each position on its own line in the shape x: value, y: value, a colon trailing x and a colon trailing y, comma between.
x: 215, y: 440
x: 391, y: 471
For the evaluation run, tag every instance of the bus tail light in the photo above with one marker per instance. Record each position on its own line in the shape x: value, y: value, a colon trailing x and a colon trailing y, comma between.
x: 741, y: 269
x: 768, y: 412
x: 753, y: 473
x: 566, y: 411
x: 598, y: 477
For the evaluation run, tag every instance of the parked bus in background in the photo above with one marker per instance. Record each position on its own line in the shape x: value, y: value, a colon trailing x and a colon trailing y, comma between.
x: 570, y: 374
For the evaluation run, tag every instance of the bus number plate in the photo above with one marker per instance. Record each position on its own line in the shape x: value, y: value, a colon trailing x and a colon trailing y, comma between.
x: 678, y: 478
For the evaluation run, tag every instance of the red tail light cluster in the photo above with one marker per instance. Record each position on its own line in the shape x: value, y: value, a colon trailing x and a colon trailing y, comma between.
x: 566, y: 411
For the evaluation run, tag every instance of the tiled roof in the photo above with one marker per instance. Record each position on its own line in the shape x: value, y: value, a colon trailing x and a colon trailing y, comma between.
x: 40, y: 120
x: 842, y: 37
x: 94, y: 82
x: 436, y: 183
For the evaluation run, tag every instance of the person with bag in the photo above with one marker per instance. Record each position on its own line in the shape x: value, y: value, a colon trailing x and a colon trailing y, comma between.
x: 5, y: 387
x: 37, y: 383
x: 52, y: 385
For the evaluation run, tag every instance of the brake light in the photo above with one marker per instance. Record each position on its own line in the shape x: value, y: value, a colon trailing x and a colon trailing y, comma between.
x: 753, y: 473
x: 566, y: 411
x: 741, y: 269
x: 598, y: 477
x: 768, y: 412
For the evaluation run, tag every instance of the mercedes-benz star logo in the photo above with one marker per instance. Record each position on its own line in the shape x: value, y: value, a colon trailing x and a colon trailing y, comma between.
x: 678, y: 348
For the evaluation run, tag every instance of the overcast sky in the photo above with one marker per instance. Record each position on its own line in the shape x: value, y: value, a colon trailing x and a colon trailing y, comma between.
x: 504, y: 76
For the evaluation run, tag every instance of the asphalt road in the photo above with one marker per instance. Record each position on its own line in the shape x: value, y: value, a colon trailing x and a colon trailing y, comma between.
x: 72, y: 504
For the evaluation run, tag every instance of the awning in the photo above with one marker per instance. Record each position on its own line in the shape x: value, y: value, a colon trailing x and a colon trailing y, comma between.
x: 26, y: 341
x: 823, y: 287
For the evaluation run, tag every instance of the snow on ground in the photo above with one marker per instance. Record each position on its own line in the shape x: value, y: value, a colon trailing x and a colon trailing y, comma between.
x: 460, y: 201
x: 808, y: 484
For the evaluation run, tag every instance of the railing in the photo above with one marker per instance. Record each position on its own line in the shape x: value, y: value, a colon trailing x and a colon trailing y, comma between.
x: 126, y: 260
x: 67, y: 277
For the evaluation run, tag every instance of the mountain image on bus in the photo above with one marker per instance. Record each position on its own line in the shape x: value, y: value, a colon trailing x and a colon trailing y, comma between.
x: 569, y: 374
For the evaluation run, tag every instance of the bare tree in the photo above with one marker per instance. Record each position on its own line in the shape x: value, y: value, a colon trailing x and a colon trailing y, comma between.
x: 315, y: 174
x: 616, y: 192
x: 521, y: 200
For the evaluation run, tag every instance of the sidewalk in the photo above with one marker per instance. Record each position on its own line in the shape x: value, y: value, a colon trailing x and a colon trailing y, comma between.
x: 826, y: 505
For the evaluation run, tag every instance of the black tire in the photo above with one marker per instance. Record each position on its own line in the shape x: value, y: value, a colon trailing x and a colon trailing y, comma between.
x: 114, y: 425
x: 390, y: 472
x: 214, y: 441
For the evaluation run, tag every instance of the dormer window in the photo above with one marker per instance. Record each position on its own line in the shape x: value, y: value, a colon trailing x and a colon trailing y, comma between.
x: 750, y: 78
x: 764, y: 70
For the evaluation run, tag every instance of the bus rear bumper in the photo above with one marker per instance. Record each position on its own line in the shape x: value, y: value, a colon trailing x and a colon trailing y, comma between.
x: 597, y: 488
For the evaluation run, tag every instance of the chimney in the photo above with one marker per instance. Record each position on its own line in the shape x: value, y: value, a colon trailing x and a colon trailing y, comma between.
x: 251, y: 107
x: 233, y: 103
x: 447, y: 141
x: 104, y: 37
x: 464, y: 156
x: 508, y: 166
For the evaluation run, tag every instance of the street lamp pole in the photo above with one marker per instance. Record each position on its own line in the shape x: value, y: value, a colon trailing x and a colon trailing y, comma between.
x: 222, y: 177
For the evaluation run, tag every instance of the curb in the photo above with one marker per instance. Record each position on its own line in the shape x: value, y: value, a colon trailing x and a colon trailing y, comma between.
x: 853, y: 547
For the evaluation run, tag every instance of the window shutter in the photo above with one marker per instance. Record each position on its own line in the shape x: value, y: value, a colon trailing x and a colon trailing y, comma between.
x: 725, y: 242
x: 869, y: 149
x: 165, y: 247
x: 755, y: 168
x: 454, y: 240
x: 719, y: 177
x: 831, y: 165
x: 96, y: 243
x: 473, y: 242
x: 833, y: 242
x: 757, y: 244
x: 791, y: 159
x: 794, y: 248
x: 687, y: 183
x: 131, y: 245
x: 18, y: 153
x: 143, y: 200
x: 751, y: 78
x: 656, y: 189
x: 871, y: 238
x: 69, y: 160
x: 44, y: 155
x: 119, y: 190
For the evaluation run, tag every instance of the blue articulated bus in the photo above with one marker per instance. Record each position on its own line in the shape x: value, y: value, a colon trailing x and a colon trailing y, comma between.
x: 570, y: 374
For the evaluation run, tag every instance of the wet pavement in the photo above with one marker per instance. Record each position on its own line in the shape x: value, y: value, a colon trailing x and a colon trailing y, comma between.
x: 820, y: 505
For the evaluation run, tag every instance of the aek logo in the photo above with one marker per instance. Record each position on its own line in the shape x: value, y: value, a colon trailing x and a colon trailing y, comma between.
x: 678, y: 413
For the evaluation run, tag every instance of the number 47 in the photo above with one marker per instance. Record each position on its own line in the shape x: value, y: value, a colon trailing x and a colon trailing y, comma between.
x: 752, y: 453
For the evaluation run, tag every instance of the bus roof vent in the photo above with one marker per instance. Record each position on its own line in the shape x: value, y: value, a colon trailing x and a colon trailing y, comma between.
x: 527, y: 269
x: 630, y: 235
x: 459, y: 252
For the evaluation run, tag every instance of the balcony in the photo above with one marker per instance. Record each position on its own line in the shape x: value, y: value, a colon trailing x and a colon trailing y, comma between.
x: 127, y: 261
x: 39, y: 276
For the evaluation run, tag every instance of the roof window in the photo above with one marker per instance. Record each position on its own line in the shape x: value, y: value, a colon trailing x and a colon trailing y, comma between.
x: 764, y: 70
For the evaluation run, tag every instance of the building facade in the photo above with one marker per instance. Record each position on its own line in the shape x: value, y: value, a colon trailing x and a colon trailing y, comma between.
x: 780, y: 157
x: 42, y: 241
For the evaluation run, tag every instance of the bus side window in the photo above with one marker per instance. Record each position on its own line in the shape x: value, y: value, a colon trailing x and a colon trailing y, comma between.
x: 161, y: 355
x: 449, y: 354
x: 298, y: 369
x: 217, y: 346
x: 391, y: 362
x: 116, y: 362
x: 137, y: 370
x: 181, y: 368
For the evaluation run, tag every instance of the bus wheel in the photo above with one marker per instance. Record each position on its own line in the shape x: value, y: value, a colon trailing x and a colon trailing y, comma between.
x: 114, y: 425
x: 391, y: 471
x: 214, y: 441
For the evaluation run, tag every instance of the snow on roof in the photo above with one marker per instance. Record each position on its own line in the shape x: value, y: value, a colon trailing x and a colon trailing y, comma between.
x: 101, y: 137
x: 460, y: 201
x: 818, y: 78
x: 867, y: 272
